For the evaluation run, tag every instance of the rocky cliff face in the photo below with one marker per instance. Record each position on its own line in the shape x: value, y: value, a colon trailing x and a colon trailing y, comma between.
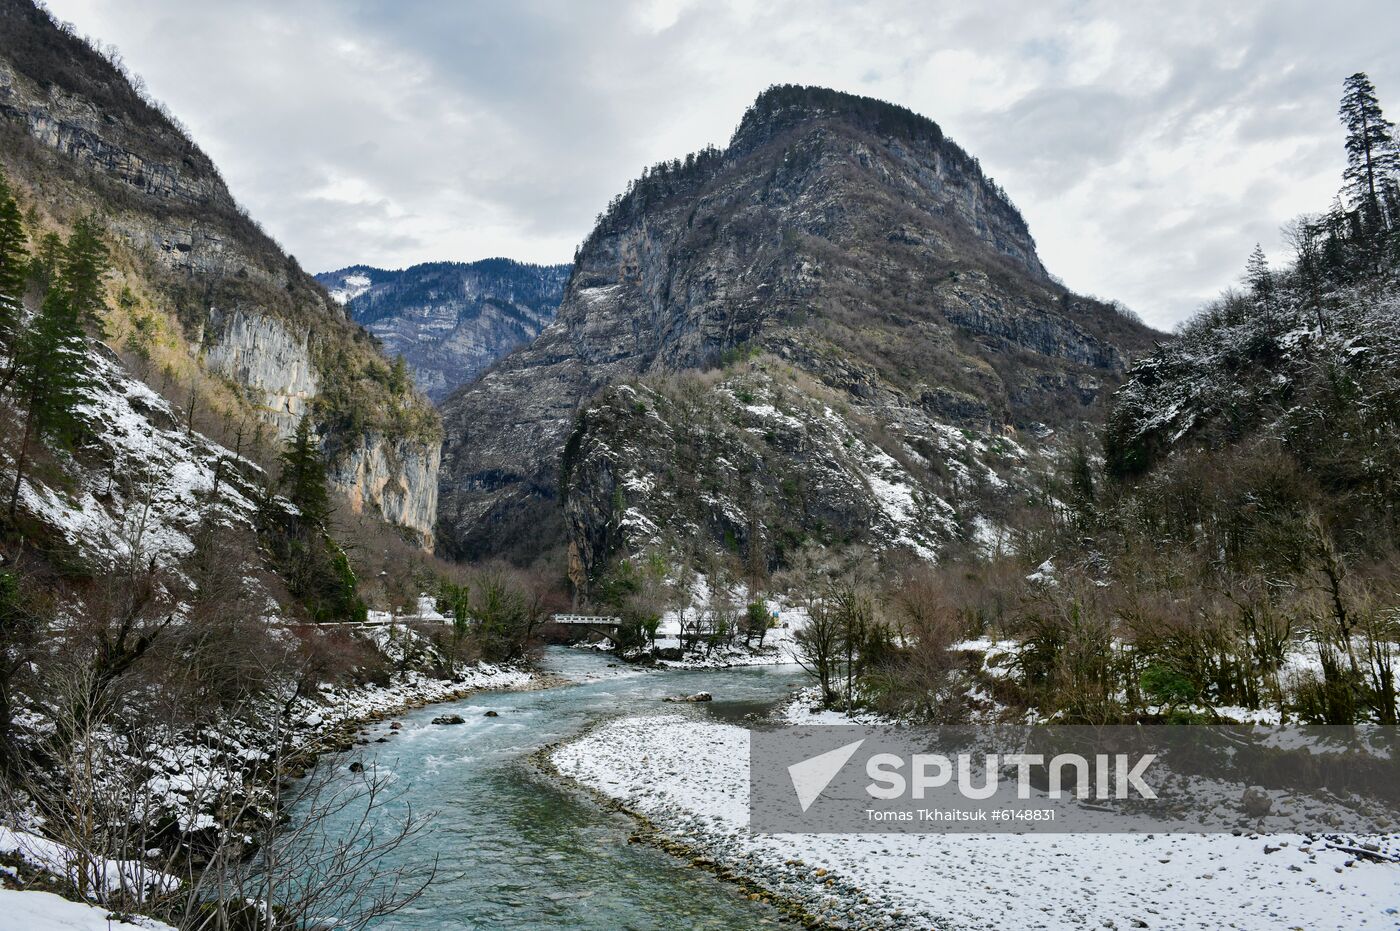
x: 260, y: 353
x: 450, y: 321
x: 840, y: 248
x: 76, y: 137
x: 396, y: 477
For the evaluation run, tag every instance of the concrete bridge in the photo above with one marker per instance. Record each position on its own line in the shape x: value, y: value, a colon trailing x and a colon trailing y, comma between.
x: 595, y: 623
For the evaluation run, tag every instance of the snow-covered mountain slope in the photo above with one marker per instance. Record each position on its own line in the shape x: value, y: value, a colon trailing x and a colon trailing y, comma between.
x: 140, y: 482
x: 344, y: 286
x: 845, y: 237
x: 665, y: 463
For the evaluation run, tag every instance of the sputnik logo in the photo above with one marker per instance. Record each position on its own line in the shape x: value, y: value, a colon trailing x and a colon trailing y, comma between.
x: 811, y: 776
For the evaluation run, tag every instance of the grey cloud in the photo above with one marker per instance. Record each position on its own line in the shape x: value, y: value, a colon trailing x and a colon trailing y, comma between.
x: 1148, y: 146
x: 1056, y: 134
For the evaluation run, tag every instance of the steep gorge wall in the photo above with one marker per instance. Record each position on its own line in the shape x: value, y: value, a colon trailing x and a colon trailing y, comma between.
x: 260, y: 353
x: 77, y: 138
x: 397, y: 478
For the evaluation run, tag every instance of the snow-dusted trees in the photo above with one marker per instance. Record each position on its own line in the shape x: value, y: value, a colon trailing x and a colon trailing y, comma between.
x: 1256, y: 501
x: 47, y: 365
x: 1259, y: 278
x: 19, y: 629
x: 1372, y: 159
x: 1305, y: 236
x: 1363, y: 228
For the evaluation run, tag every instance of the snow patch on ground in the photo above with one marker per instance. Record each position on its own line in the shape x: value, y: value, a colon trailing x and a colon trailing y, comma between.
x: 597, y: 295
x: 351, y: 287
x: 806, y: 708
x: 769, y: 412
x: 911, y: 520
x: 1181, y: 881
x: 31, y: 910
x: 103, y: 876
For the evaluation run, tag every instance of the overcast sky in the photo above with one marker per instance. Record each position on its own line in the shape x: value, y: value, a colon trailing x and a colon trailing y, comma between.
x: 1148, y: 150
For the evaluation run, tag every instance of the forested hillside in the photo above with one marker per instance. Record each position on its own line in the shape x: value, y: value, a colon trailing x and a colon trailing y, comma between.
x: 1231, y: 554
x: 450, y: 321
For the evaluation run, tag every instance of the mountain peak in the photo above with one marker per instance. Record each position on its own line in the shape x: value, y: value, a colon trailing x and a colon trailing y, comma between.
x: 787, y: 104
x: 852, y: 245
x: 783, y: 107
x: 785, y: 121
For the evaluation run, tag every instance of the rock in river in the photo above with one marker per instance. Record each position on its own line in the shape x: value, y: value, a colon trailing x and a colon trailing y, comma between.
x: 698, y: 696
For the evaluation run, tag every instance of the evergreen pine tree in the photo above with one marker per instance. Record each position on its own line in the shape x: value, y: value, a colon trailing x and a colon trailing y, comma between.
x: 400, y: 382
x: 317, y: 570
x: 82, y: 264
x: 1259, y: 278
x: 1390, y: 206
x: 14, y: 263
x: 304, y: 477
x: 44, y: 267
x: 48, y: 366
x: 50, y: 354
x: 1372, y: 159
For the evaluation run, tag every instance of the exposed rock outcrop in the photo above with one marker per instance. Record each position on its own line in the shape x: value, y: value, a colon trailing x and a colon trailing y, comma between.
x: 841, y: 249
x: 261, y: 353
x: 396, y: 478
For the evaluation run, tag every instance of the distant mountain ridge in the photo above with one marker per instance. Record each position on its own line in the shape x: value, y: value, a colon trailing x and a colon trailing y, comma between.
x: 450, y: 321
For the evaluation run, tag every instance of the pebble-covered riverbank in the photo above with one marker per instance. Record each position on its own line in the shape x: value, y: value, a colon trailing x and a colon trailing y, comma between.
x: 805, y: 894
x: 687, y: 778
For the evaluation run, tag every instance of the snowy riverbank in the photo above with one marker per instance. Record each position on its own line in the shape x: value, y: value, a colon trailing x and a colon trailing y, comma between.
x: 336, y: 709
x: 648, y: 765
x: 43, y: 911
x: 328, y: 722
